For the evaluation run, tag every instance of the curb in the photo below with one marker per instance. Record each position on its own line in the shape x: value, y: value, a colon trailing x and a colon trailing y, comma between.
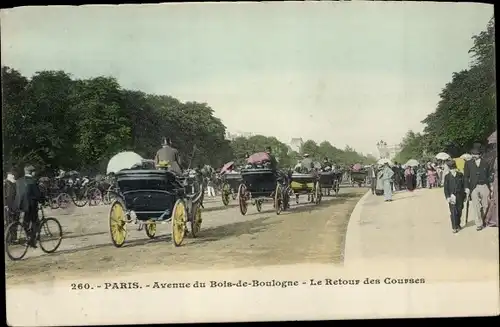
x: 352, y: 243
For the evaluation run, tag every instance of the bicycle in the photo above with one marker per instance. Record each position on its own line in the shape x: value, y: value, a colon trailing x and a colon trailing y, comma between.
x: 17, y: 235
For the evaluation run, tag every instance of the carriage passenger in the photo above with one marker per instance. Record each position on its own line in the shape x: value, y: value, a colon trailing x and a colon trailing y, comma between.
x: 327, y: 165
x: 306, y: 164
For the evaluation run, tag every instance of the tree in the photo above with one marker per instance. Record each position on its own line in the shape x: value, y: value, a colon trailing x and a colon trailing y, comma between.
x: 466, y: 112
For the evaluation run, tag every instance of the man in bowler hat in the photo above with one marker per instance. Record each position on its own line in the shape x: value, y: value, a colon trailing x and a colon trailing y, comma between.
x: 28, y: 196
x: 454, y: 193
x: 477, y: 183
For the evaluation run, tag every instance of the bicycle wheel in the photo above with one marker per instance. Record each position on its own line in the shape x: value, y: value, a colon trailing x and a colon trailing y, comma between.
x: 49, y: 235
x: 16, y: 241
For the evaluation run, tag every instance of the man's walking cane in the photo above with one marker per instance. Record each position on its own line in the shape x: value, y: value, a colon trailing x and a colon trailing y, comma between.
x: 467, y: 210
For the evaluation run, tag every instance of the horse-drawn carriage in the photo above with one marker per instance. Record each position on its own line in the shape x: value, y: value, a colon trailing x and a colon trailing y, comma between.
x: 307, y: 182
x: 151, y: 197
x: 230, y: 181
x: 260, y: 182
x: 70, y: 188
x: 330, y: 181
x: 358, y: 175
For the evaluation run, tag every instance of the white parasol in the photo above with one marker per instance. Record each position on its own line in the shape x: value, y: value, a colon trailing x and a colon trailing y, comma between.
x: 466, y: 156
x: 123, y: 160
x: 412, y: 163
x: 384, y: 161
x: 442, y: 156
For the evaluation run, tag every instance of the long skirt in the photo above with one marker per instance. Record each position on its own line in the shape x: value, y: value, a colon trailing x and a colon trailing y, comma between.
x: 409, y: 182
x: 491, y: 219
x: 387, y: 190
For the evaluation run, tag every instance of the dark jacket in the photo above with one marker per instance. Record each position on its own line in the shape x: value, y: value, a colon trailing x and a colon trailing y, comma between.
x: 474, y: 175
x: 454, y: 185
x: 28, y: 194
x: 9, y: 193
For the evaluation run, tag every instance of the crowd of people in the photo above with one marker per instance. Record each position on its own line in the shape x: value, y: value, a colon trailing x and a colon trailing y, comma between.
x: 473, y: 179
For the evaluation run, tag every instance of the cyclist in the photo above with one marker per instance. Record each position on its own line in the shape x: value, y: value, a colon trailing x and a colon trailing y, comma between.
x: 28, y: 197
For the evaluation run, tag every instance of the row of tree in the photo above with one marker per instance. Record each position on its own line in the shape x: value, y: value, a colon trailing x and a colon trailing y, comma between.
x: 54, y: 121
x: 466, y: 112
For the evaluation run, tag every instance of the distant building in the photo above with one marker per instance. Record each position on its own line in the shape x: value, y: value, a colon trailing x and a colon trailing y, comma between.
x: 388, y: 151
x: 231, y: 136
x: 295, y: 144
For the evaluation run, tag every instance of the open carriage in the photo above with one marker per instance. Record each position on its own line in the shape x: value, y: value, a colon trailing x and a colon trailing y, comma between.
x: 358, y: 175
x: 261, y: 183
x: 230, y: 181
x: 151, y: 197
x: 306, y: 183
x: 230, y: 185
x: 330, y: 181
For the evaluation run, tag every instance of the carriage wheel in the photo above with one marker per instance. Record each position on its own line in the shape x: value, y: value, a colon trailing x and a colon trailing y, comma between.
x: 317, y: 195
x: 196, y: 220
x: 117, y: 224
x: 150, y: 229
x: 80, y: 201
x: 225, y: 194
x: 242, y: 199
x: 64, y: 200
x: 278, y: 199
x: 94, y: 196
x: 258, y: 205
x: 53, y: 204
x: 179, y: 215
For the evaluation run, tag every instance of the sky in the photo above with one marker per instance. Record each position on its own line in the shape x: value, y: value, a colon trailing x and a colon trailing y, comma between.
x: 351, y: 73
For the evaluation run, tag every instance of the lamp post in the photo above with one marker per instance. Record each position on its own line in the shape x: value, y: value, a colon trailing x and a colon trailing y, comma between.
x: 382, y: 149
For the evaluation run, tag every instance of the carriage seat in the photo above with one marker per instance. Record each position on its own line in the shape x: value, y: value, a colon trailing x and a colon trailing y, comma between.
x: 131, y: 180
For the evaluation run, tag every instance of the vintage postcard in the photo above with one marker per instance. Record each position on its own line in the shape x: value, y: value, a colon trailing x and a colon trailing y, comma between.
x: 227, y: 162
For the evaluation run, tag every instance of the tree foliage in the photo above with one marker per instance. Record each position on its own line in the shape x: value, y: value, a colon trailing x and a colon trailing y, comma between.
x: 466, y: 112
x: 54, y: 121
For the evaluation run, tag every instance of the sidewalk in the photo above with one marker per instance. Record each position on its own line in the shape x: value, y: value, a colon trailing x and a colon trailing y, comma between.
x: 412, y: 235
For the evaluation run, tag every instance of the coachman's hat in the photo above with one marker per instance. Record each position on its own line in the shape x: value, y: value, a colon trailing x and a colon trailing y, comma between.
x: 477, y: 148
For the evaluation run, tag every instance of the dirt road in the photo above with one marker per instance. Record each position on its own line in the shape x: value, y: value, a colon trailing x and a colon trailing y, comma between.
x: 306, y: 233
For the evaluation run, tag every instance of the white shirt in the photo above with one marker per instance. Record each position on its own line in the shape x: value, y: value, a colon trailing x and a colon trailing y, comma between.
x: 478, y: 161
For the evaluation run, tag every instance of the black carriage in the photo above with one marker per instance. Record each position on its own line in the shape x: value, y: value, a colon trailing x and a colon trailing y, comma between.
x: 149, y: 197
x: 262, y: 184
x: 230, y: 185
x: 330, y: 181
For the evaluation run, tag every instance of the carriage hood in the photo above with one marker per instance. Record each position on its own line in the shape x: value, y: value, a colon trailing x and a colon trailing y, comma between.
x: 123, y: 160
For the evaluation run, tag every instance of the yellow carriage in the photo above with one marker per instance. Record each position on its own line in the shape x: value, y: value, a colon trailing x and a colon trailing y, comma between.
x: 306, y: 183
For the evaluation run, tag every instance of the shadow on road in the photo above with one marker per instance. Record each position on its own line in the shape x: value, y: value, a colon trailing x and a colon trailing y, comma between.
x: 248, y: 227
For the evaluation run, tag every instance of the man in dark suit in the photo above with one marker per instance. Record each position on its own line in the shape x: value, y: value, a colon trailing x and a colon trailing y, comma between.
x: 28, y: 196
x: 477, y: 183
x: 454, y: 192
x: 169, y: 154
x: 9, y: 191
x: 372, y: 175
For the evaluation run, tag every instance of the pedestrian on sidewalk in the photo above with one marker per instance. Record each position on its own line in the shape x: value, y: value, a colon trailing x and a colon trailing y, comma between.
x: 492, y: 214
x: 431, y: 176
x: 372, y: 173
x: 477, y: 183
x: 454, y: 192
x: 387, y: 175
x: 409, y: 177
